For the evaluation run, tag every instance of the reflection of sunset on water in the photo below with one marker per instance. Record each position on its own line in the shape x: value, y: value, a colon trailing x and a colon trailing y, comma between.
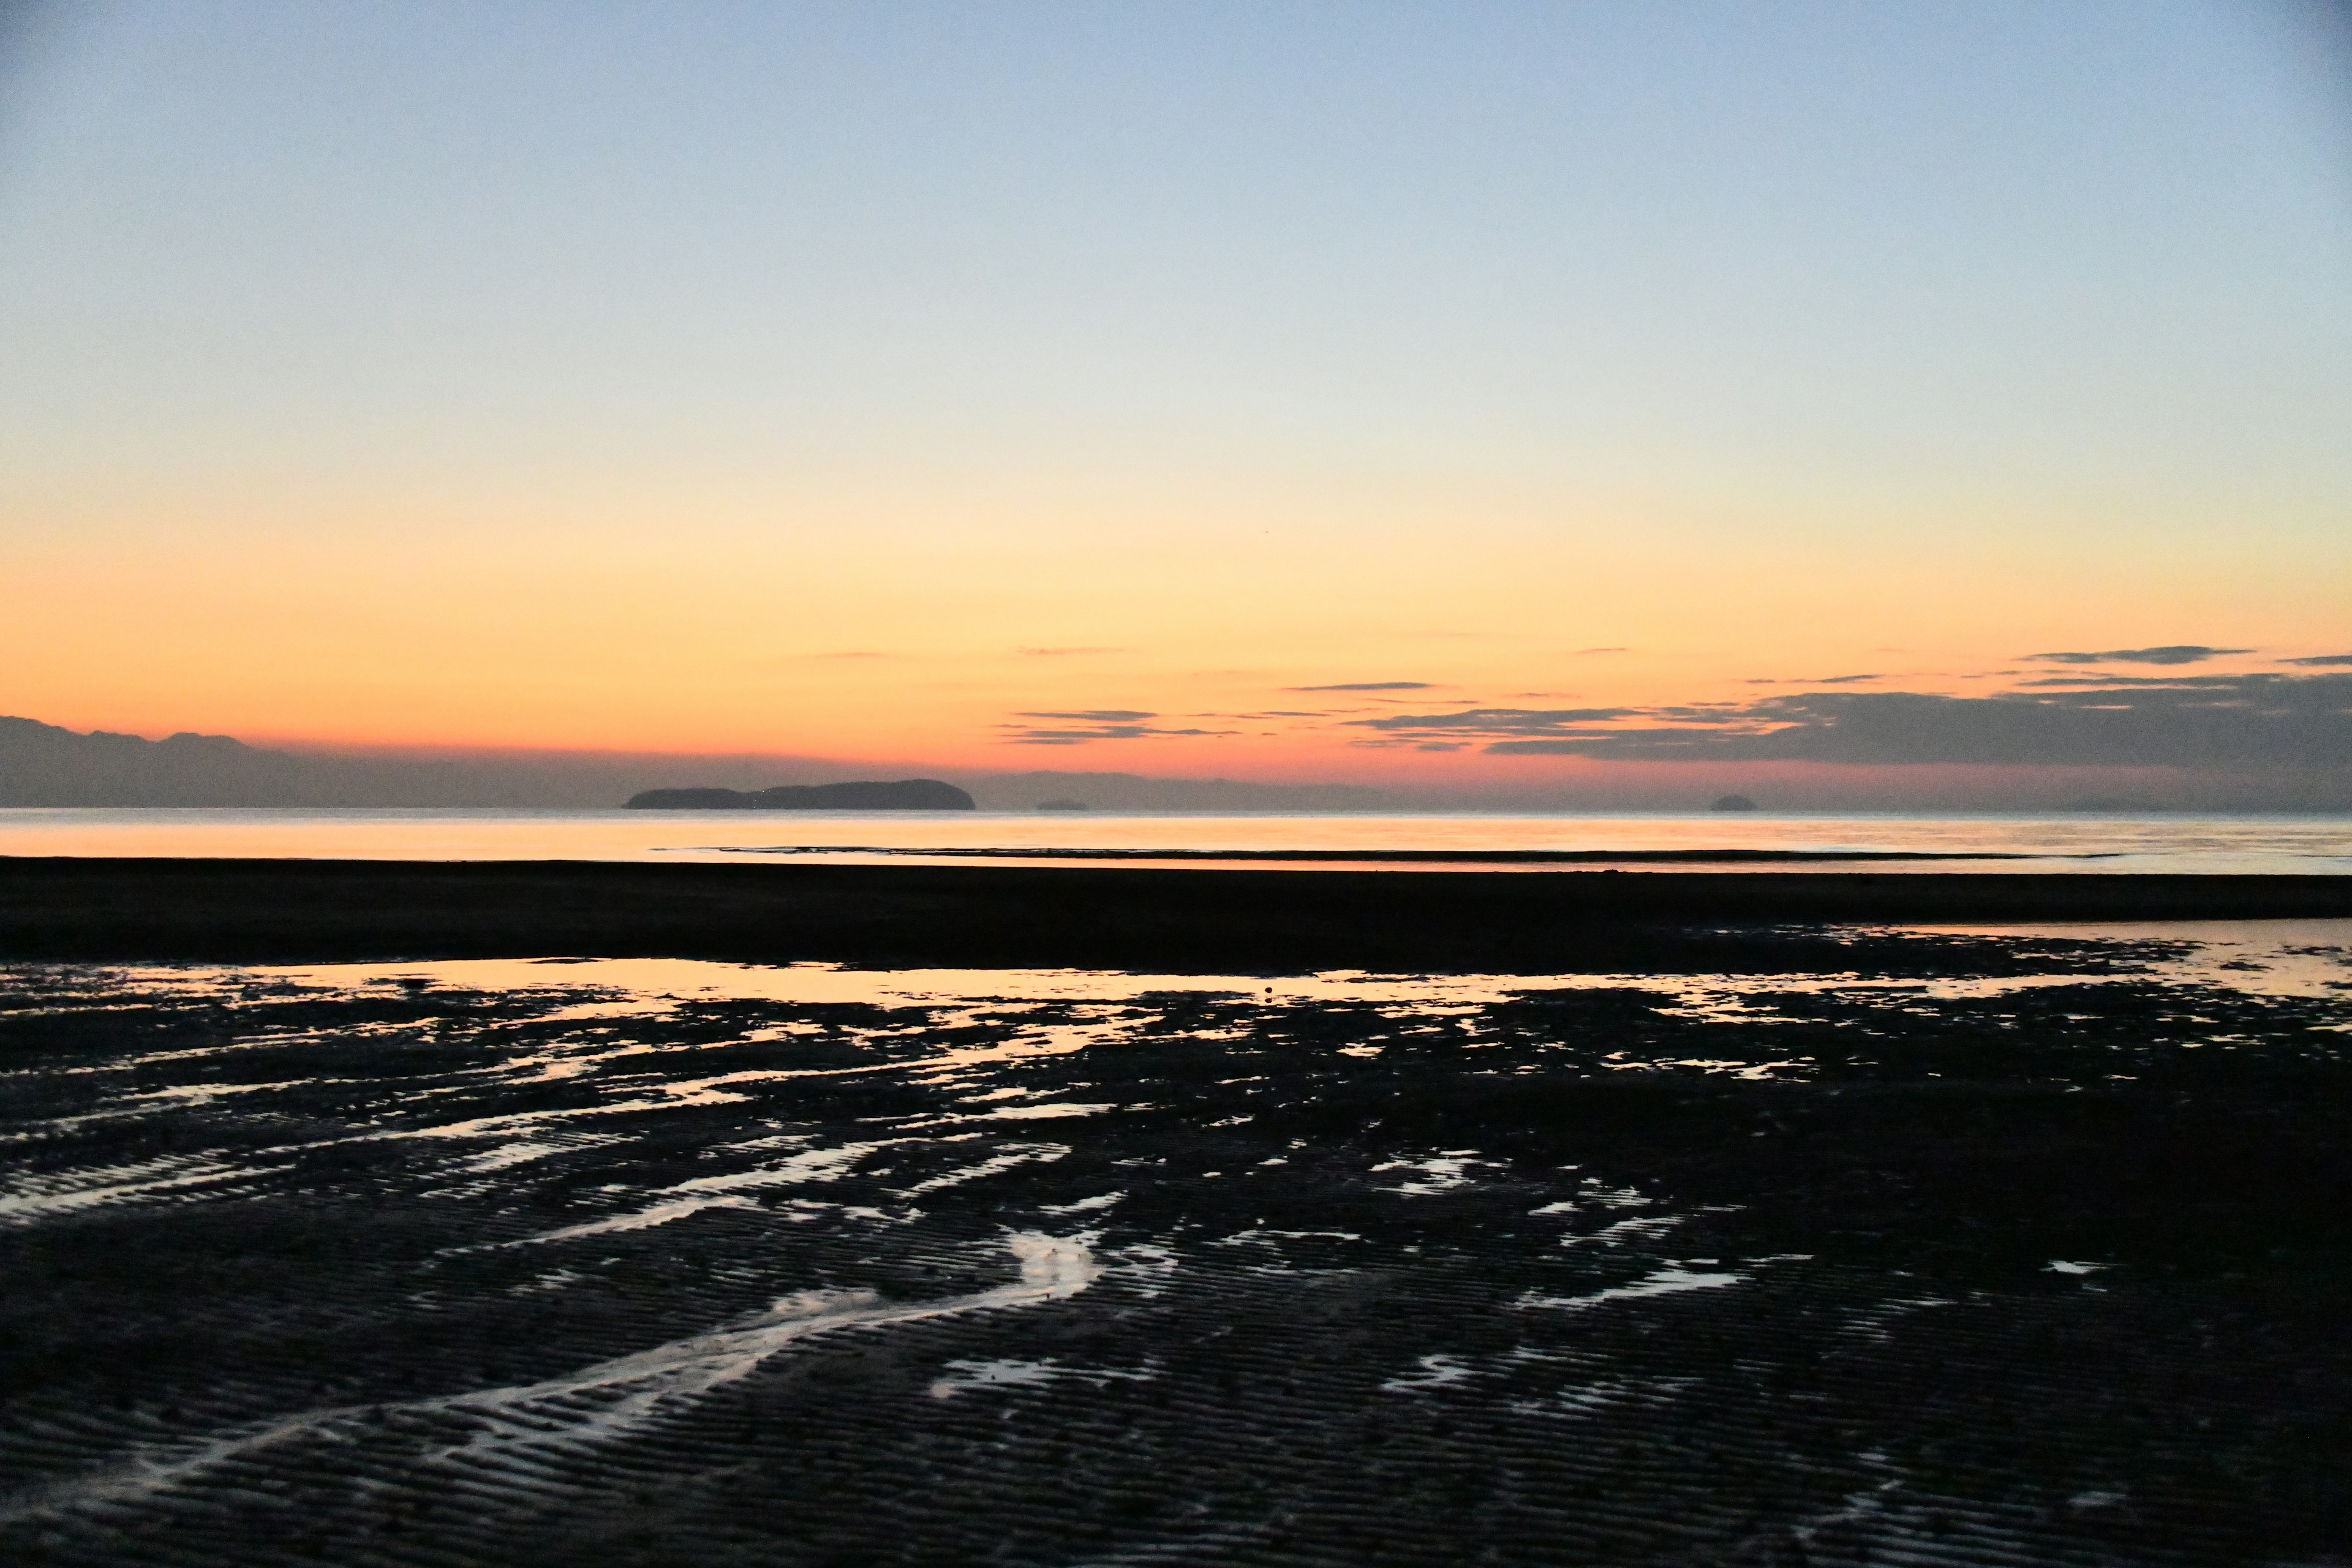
x: 1435, y: 842
x: 617, y: 1232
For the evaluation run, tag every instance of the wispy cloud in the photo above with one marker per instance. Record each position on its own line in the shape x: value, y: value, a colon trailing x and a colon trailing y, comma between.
x: 1078, y: 728
x: 1582, y: 652
x: 1098, y: 715
x: 2108, y: 678
x: 1062, y: 652
x: 2176, y: 718
x: 1484, y: 724
x: 2171, y: 653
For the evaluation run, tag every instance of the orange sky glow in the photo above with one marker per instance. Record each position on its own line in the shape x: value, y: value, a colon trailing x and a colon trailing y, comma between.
x: 819, y: 630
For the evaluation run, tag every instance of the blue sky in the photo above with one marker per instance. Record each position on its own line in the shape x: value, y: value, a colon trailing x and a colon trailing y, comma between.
x: 2072, y: 244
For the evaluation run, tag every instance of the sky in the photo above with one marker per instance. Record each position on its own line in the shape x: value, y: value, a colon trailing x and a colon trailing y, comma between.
x: 1465, y: 394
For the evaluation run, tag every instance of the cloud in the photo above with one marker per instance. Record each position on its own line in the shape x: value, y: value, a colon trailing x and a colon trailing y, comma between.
x: 1489, y: 723
x: 2109, y: 679
x: 1581, y: 652
x: 1367, y: 686
x: 2338, y: 658
x: 1097, y: 715
x: 2233, y: 721
x: 2173, y: 653
x: 1837, y: 680
x: 1093, y: 724
x: 1062, y: 652
x: 1021, y: 736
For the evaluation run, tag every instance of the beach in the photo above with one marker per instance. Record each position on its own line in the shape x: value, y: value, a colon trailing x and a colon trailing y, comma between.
x: 1110, y: 917
x: 637, y: 1213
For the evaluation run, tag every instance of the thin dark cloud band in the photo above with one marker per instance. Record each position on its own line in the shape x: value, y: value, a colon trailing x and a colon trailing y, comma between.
x: 2171, y: 653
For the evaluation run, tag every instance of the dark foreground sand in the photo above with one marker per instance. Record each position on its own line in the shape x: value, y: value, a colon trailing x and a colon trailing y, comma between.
x: 1109, y: 917
x: 1807, y: 1244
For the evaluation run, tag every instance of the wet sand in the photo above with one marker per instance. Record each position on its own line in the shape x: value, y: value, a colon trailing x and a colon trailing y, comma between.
x: 1108, y: 916
x: 2033, y: 1249
x: 1620, y: 1225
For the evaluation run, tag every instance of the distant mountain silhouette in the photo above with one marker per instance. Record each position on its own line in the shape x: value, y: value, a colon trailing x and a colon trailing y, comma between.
x: 904, y: 794
x: 41, y: 764
x: 45, y: 765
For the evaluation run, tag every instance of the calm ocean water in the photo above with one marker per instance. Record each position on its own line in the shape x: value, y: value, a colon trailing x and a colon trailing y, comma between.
x: 2085, y: 843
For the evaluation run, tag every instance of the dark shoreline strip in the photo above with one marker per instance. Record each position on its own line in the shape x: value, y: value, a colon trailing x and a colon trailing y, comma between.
x: 1156, y: 919
x: 1403, y: 856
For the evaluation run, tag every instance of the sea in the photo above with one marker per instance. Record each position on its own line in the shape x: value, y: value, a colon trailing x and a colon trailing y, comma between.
x: 2081, y: 843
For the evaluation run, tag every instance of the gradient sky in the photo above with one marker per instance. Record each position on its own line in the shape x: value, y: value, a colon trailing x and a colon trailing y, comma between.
x: 950, y: 381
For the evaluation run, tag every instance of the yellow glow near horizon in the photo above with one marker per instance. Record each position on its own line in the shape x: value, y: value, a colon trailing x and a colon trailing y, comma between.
x: 916, y: 630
